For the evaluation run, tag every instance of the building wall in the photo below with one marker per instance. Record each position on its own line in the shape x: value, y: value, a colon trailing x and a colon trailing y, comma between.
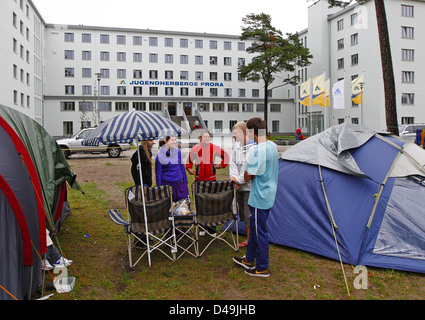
x: 168, y: 93
x: 21, y: 55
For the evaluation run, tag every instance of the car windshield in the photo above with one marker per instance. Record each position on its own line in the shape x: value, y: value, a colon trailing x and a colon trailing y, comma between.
x: 401, y: 128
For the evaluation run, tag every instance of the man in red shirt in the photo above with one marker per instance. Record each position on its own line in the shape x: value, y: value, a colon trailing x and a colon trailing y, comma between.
x: 203, y: 155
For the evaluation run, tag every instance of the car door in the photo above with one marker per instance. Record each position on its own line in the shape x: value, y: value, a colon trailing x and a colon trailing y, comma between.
x: 76, y: 144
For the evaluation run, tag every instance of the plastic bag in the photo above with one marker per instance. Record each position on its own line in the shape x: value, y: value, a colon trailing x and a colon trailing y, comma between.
x: 180, y: 208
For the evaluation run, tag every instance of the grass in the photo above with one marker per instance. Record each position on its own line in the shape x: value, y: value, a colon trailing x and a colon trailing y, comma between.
x: 102, y: 271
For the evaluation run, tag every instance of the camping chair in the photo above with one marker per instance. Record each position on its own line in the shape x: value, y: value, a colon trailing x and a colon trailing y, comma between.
x: 185, y: 227
x: 159, y: 227
x: 214, y: 207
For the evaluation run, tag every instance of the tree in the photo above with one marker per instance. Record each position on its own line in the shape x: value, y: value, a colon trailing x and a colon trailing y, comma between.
x: 274, y: 53
x: 386, y: 62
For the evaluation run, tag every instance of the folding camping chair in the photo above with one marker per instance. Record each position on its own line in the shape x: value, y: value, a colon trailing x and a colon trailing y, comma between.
x: 185, y: 228
x: 214, y: 207
x: 154, y: 233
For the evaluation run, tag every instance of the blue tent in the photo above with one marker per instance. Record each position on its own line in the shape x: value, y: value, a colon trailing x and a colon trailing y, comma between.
x: 357, y: 188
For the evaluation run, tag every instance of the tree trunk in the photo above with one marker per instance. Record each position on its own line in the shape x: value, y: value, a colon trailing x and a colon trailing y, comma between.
x: 387, y: 68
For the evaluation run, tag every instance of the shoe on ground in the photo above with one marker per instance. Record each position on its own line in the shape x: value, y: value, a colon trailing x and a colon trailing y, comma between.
x: 62, y: 262
x: 255, y: 273
x: 242, y: 261
x: 46, y: 265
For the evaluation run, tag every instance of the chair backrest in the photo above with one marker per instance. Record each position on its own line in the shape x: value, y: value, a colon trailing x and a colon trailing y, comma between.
x: 158, y: 204
x: 213, y: 201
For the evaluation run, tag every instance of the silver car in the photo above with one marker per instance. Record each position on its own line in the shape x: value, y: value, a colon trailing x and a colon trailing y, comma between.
x: 74, y: 145
x: 408, y: 131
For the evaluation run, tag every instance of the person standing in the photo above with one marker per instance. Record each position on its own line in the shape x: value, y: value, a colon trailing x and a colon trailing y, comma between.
x: 170, y: 169
x: 262, y: 169
x: 145, y: 150
x: 203, y: 156
x: 237, y: 166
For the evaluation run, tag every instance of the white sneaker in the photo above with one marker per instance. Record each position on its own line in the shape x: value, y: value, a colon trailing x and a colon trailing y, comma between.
x: 62, y: 262
x: 202, y: 233
x: 46, y: 265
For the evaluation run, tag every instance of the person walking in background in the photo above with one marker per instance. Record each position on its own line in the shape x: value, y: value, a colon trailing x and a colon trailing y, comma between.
x: 203, y: 156
x: 237, y: 166
x: 299, y: 135
x: 170, y: 169
x: 262, y: 168
x: 145, y: 150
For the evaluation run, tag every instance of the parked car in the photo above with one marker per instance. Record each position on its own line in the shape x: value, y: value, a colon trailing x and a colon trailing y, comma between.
x: 408, y: 131
x: 74, y: 144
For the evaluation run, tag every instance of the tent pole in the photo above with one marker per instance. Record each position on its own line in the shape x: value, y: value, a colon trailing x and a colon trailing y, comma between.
x: 143, y: 201
x: 334, y: 226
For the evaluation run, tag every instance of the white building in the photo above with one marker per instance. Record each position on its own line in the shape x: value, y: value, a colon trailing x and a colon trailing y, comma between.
x: 184, y: 74
x: 344, y: 44
x: 21, y: 57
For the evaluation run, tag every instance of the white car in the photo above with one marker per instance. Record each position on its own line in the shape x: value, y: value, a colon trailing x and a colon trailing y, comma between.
x: 74, y: 145
x: 408, y: 131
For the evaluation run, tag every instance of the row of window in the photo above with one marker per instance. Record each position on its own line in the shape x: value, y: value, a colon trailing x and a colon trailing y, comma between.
x: 153, y: 58
x: 153, y: 74
x: 154, y: 41
x: 86, y: 90
x: 22, y: 101
x: 87, y: 106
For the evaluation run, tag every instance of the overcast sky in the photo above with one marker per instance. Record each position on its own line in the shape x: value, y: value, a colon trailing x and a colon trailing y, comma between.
x: 217, y: 16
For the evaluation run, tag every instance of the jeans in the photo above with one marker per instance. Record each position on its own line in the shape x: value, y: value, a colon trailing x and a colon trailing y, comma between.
x: 258, y: 243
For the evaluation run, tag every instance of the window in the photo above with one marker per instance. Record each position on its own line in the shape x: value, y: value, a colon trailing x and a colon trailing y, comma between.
x: 137, y: 74
x: 153, y: 57
x: 407, y: 98
x: 121, y: 73
x: 86, y: 72
x: 407, y: 32
x: 241, y: 93
x: 169, y: 91
x: 137, y: 57
x: 86, y: 37
x: 341, y: 63
x: 137, y: 91
x: 408, y: 76
x: 233, y: 107
x: 213, y: 60
x: 67, y: 106
x: 184, y: 91
x: 121, y: 56
x: 153, y: 74
x: 121, y: 106
x: 218, y: 125
x: 241, y: 46
x: 227, y: 92
x: 218, y: 107
x: 69, y: 90
x: 227, y: 76
x: 67, y: 128
x: 69, y: 72
x: 247, y: 107
x: 406, y: 11
x: 168, y: 74
x: 153, y: 91
x: 104, y: 38
x: 199, y: 60
x: 104, y: 73
x: 355, y: 120
x: 227, y: 61
x: 184, y: 75
x: 354, y: 39
x: 137, y: 40
x: 227, y: 45
x: 407, y: 120
x: 184, y: 43
x: 104, y: 55
x: 85, y: 106
x: 407, y: 54
x: 275, y: 126
x: 168, y: 58
x: 86, y: 55
x: 121, y: 90
x: 213, y: 76
x: 199, y: 75
x: 184, y: 59
x: 275, y: 107
x: 199, y: 92
x: 168, y: 42
x: 204, y: 106
x: 86, y: 90
x: 241, y: 62
x: 69, y: 54
x: 354, y: 19
x: 340, y: 25
x: 340, y: 44
x: 153, y: 41
x: 120, y: 39
x: 260, y: 107
x: 69, y: 37
x: 199, y: 44
x: 155, y: 106
x: 213, y: 44
x: 139, y: 105
x: 354, y: 59
x: 105, y: 106
x: 255, y: 93
x: 105, y: 90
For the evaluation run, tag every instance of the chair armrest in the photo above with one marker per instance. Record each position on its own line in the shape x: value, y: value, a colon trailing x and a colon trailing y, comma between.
x: 116, y: 217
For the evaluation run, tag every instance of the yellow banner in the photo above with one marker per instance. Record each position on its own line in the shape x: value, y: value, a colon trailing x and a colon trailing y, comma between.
x: 305, y: 93
x: 319, y: 90
x: 357, y: 90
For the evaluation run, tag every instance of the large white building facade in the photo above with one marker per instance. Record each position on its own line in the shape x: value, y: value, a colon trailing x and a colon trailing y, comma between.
x: 65, y: 76
x: 345, y: 44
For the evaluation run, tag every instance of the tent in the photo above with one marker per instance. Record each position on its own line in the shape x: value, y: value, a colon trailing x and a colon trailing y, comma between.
x: 353, y: 194
x: 33, y: 173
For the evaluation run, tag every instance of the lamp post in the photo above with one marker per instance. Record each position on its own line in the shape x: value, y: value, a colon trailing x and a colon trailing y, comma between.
x: 98, y: 97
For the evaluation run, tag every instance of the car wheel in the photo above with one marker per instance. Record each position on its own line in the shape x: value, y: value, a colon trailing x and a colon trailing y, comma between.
x: 66, y: 153
x: 114, y: 152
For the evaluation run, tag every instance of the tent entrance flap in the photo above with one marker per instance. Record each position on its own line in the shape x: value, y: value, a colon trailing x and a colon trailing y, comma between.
x: 402, y: 228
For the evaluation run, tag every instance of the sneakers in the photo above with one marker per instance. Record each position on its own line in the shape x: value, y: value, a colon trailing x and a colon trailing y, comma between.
x: 250, y: 267
x: 46, y: 265
x: 62, y: 262
x: 242, y: 261
x: 255, y: 273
